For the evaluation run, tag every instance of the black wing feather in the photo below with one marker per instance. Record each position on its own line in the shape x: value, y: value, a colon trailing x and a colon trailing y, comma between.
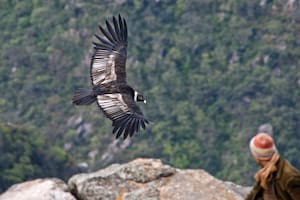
x: 125, y: 29
x: 101, y: 46
x: 135, y: 127
x: 123, y: 122
x: 126, y: 123
x: 143, y: 124
x: 128, y: 129
x: 111, y: 31
x: 120, y: 131
x: 117, y: 29
x: 121, y: 29
x: 103, y: 41
x: 107, y: 35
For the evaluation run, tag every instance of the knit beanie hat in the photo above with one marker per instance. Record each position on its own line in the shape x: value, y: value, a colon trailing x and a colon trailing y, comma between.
x: 262, y: 146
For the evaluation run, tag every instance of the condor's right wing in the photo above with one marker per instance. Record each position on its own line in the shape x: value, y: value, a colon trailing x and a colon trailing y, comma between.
x: 109, y: 58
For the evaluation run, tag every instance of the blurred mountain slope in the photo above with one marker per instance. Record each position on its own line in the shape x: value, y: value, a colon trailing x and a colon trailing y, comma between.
x: 212, y: 72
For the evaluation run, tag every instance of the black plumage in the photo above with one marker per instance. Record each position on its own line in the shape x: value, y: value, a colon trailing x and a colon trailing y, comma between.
x: 110, y: 90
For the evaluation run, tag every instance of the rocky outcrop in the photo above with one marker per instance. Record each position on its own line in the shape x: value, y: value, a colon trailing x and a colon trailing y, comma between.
x: 150, y: 179
x: 141, y: 179
x: 39, y: 189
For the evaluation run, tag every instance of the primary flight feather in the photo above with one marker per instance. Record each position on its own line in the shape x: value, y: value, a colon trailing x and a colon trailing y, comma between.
x: 110, y: 90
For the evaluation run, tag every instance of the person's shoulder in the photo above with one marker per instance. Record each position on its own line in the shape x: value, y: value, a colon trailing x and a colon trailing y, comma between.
x: 290, y: 169
x: 290, y: 174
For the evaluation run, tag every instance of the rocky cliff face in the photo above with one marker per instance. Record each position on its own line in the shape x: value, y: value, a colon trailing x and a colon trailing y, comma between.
x: 141, y: 179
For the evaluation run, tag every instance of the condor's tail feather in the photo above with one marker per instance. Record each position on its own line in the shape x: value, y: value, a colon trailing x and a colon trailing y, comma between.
x: 84, y: 97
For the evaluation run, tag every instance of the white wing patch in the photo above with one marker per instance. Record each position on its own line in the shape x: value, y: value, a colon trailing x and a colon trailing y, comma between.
x: 113, y: 105
x: 111, y: 73
x: 103, y: 68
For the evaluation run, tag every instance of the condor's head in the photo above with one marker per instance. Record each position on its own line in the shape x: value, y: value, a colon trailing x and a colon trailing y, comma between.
x: 139, y: 97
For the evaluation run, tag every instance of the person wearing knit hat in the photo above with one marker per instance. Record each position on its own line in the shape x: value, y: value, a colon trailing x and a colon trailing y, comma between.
x: 277, y: 178
x: 262, y: 146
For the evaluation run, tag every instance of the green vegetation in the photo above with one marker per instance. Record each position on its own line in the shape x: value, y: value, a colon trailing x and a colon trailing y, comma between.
x: 212, y: 72
x: 25, y: 155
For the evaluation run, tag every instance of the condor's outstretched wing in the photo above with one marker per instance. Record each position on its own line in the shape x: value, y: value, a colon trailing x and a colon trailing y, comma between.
x: 123, y: 111
x: 109, y: 59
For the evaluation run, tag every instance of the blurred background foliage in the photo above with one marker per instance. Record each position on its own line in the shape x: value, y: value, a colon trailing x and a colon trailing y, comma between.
x: 212, y: 73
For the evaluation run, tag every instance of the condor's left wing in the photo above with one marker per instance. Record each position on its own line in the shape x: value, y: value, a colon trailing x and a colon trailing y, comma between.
x: 125, y: 114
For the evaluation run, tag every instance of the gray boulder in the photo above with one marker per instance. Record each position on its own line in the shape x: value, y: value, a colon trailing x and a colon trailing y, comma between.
x: 39, y: 189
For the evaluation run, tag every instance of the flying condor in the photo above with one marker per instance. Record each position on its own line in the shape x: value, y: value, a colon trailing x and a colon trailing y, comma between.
x: 110, y: 90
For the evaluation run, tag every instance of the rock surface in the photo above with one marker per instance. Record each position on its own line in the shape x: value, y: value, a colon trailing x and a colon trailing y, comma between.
x: 140, y: 179
x: 39, y: 189
x: 150, y: 179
